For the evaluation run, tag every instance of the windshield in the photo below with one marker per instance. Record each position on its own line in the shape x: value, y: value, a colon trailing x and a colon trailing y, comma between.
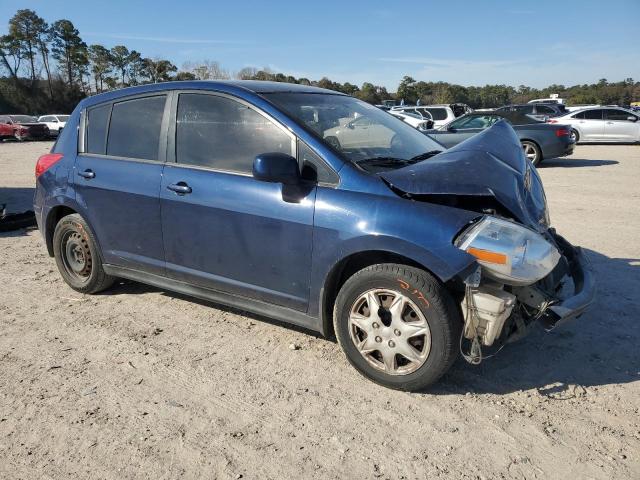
x: 63, y: 118
x: 23, y: 119
x: 358, y: 131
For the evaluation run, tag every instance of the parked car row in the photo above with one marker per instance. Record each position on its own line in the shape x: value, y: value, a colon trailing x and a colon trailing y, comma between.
x: 27, y: 127
x: 571, y: 125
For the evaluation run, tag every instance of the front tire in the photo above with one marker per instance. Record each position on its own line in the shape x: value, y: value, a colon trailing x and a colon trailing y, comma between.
x: 532, y: 152
x: 397, y: 325
x: 77, y: 256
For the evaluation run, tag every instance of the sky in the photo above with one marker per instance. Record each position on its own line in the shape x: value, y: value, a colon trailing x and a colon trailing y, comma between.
x: 534, y: 43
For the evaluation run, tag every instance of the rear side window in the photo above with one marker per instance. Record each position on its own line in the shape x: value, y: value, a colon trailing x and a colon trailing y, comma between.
x: 544, y: 110
x: 224, y: 134
x: 134, y: 130
x: 437, y: 113
x: 97, y: 121
x: 590, y: 115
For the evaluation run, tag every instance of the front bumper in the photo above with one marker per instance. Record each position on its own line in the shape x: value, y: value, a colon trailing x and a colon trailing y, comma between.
x: 584, y: 286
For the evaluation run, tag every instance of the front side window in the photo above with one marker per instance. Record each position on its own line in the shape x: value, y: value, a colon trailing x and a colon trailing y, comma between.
x: 355, y: 130
x: 217, y: 132
x: 63, y: 118
x: 134, y: 130
x: 614, y: 114
x: 96, y: 133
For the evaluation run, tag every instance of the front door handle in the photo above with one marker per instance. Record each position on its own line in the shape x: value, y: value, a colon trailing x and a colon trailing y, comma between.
x: 181, y: 188
x: 88, y: 174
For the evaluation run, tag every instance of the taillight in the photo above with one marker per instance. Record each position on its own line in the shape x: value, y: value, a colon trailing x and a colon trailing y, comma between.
x: 562, y: 132
x: 47, y: 161
x: 551, y: 120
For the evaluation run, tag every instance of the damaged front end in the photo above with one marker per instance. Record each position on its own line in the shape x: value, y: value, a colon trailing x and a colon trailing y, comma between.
x: 523, y: 277
x: 526, y: 272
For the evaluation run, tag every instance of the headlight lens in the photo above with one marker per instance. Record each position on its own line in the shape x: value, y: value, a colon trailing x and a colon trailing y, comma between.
x: 509, y: 252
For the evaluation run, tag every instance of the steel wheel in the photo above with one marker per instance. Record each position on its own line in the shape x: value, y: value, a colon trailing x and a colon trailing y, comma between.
x: 76, y: 256
x: 389, y: 331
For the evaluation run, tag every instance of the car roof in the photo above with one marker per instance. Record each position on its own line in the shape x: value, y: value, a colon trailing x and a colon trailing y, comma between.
x: 598, y: 107
x: 237, y: 87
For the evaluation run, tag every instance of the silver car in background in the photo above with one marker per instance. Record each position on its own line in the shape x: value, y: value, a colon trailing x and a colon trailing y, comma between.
x: 602, y: 124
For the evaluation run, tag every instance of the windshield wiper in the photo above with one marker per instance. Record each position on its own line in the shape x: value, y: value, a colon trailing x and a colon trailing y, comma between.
x: 394, y: 161
x: 424, y: 156
x: 383, y: 161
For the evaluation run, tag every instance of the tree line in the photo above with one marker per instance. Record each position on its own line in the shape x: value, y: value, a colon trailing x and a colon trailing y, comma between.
x: 49, y: 68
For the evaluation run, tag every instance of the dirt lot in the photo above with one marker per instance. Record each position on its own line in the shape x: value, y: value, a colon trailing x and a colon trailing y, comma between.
x: 143, y: 383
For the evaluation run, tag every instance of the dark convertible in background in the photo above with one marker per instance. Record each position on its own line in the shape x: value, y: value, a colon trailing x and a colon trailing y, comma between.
x: 540, y: 140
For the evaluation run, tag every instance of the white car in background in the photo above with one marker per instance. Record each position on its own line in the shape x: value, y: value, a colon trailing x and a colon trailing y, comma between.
x: 602, y: 124
x: 441, y: 114
x: 54, y: 122
x: 420, y: 122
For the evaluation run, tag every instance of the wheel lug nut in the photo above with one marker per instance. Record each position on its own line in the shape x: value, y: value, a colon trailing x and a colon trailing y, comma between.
x: 397, y: 332
x: 392, y: 343
x: 378, y: 339
x: 375, y: 325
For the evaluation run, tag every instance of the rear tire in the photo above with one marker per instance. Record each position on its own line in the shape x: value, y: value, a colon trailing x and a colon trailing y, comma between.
x: 532, y: 152
x: 411, y: 340
x: 575, y: 136
x: 77, y: 256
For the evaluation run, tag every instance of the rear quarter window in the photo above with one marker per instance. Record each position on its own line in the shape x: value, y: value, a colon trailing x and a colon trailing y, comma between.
x: 437, y: 113
x: 96, y: 132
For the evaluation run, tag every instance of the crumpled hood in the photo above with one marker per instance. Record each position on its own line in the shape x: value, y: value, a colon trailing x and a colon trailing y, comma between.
x: 491, y: 163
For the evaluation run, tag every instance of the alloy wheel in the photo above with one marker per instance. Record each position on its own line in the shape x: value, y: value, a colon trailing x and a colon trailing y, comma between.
x: 389, y: 331
x: 530, y: 152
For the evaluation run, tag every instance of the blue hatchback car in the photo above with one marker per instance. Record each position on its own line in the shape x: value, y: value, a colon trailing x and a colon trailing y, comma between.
x: 314, y: 208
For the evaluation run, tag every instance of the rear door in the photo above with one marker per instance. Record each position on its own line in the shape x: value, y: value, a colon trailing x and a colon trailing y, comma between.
x: 590, y: 124
x: 223, y: 229
x: 117, y: 179
x: 618, y: 126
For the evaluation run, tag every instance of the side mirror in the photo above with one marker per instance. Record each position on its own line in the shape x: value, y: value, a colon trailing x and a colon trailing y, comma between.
x: 276, y: 168
x: 632, y: 118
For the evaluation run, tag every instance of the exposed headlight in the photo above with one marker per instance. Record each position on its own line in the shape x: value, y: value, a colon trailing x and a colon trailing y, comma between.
x: 509, y: 252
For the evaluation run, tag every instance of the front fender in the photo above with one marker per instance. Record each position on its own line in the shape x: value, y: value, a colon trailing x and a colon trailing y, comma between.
x: 347, y: 223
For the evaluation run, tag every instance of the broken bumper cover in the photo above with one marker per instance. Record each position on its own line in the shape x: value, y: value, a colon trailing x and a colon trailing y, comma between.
x: 584, y: 282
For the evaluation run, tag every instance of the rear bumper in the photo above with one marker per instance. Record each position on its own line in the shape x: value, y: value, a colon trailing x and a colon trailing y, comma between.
x: 584, y: 285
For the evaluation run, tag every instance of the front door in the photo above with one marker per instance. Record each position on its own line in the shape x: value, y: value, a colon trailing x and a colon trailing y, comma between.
x: 117, y: 180
x: 222, y: 228
x: 620, y: 127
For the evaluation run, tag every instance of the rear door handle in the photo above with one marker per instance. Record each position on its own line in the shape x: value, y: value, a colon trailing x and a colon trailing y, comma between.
x: 88, y: 174
x: 181, y: 188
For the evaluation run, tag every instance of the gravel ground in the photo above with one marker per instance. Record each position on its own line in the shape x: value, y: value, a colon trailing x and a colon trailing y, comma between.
x: 143, y: 383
